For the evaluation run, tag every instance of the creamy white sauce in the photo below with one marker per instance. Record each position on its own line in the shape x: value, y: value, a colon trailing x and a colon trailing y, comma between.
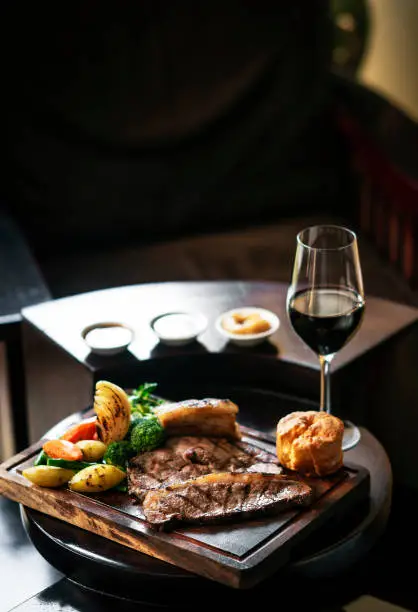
x: 108, y: 337
x: 176, y: 326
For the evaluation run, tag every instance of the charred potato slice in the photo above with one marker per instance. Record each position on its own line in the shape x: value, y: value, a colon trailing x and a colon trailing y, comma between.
x: 48, y: 476
x: 93, y: 450
x: 96, y: 478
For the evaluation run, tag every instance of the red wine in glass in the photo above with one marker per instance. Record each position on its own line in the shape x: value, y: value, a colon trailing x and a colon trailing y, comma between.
x: 325, y: 301
x: 327, y: 318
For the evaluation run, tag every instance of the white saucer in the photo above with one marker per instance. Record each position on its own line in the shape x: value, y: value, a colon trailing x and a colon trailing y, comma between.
x: 107, y: 338
x: 178, y: 328
x: 351, y: 436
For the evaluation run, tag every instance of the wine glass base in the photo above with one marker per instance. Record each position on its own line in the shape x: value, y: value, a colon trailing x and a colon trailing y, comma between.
x: 351, y: 435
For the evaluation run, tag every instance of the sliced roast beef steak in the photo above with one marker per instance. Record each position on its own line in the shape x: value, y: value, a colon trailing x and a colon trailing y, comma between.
x: 186, y: 457
x: 222, y: 496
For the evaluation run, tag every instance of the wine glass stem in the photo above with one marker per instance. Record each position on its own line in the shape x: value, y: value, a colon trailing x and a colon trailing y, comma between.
x: 325, y: 398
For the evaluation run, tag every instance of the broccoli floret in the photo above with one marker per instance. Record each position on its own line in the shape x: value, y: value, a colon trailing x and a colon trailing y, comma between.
x: 135, y: 419
x: 147, y: 434
x: 119, y: 453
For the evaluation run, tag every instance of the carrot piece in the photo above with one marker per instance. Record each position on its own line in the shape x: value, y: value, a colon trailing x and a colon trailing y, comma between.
x: 85, y: 430
x: 63, y: 449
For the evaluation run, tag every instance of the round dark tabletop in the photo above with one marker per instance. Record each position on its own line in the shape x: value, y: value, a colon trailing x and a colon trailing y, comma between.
x: 103, y: 565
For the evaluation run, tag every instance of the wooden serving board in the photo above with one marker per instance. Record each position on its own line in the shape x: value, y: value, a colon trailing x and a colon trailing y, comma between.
x: 238, y: 554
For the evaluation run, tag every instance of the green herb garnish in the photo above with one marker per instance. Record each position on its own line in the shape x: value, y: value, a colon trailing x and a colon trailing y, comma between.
x: 143, y: 401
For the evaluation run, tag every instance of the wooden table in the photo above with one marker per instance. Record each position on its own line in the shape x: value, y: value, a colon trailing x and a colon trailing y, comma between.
x: 373, y: 380
x: 63, y: 320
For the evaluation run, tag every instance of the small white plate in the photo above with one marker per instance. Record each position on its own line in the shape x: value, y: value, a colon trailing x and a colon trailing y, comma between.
x: 248, y: 339
x: 107, y: 338
x: 352, y: 435
x: 179, y: 328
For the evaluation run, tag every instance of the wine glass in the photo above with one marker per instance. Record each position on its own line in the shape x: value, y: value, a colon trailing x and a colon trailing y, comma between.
x: 325, y: 301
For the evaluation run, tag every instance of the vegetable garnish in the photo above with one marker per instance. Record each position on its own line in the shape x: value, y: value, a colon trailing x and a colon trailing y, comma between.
x: 136, y: 417
x: 102, y: 446
x: 93, y: 450
x: 41, y: 459
x: 63, y: 449
x: 81, y: 431
x: 113, y: 409
x: 147, y: 434
x: 76, y: 466
x: 48, y: 476
x: 142, y: 401
x: 97, y: 478
x: 119, y: 453
x: 122, y: 487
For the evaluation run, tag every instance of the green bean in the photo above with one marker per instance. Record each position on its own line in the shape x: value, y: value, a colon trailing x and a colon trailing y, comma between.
x: 41, y: 459
x: 122, y: 487
x: 69, y: 465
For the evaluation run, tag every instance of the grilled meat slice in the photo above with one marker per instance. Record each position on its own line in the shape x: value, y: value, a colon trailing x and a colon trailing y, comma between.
x: 218, y: 497
x: 210, y: 417
x: 187, y: 457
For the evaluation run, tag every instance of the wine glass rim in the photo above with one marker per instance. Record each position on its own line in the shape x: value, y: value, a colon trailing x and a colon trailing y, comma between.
x: 350, y: 232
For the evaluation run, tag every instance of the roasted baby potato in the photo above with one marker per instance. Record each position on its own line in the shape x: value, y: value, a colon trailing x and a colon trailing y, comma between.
x: 93, y: 450
x: 48, y: 476
x: 113, y: 409
x: 96, y: 478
